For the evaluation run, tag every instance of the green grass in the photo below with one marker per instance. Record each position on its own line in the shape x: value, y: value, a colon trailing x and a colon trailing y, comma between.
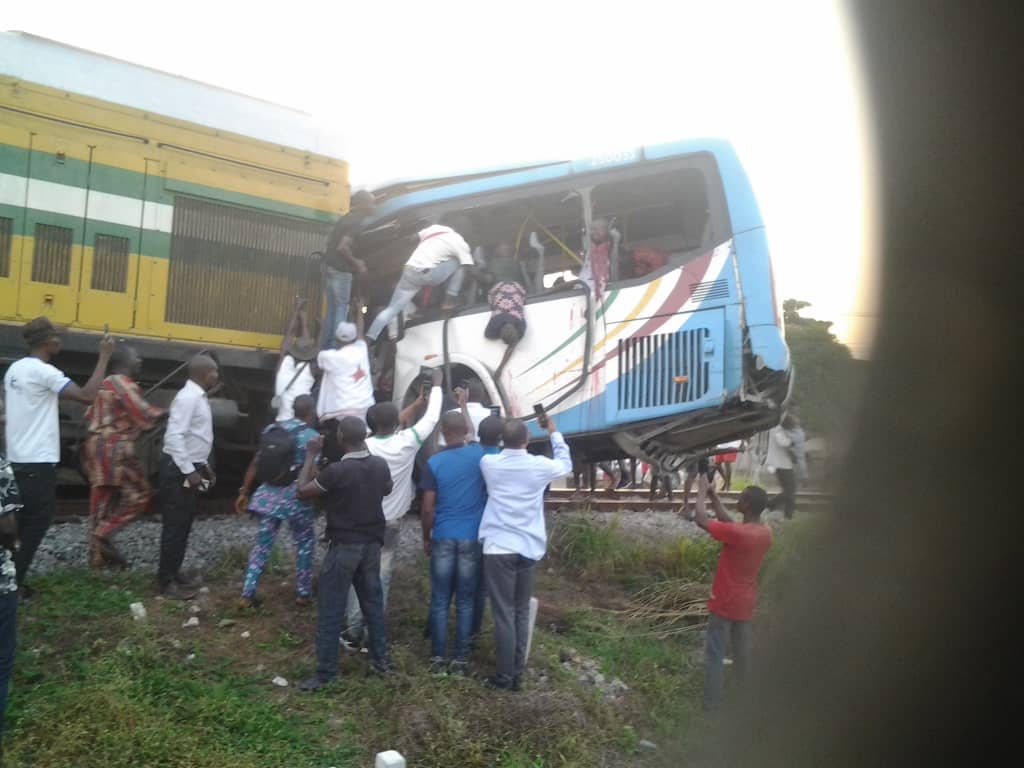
x: 584, y: 546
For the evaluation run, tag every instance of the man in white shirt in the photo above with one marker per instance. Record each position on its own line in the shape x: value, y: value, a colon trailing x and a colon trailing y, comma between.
x: 346, y: 386
x: 515, y: 538
x: 32, y: 388
x: 477, y: 410
x: 183, y: 468
x: 295, y: 375
x: 442, y: 254
x: 398, y: 447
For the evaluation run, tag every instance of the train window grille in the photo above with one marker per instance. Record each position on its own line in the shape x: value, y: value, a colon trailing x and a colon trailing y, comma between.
x: 238, y: 268
x: 6, y: 240
x: 110, y: 263
x: 663, y: 369
x: 51, y: 254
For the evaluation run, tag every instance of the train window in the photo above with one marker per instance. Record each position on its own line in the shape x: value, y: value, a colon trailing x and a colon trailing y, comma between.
x: 51, y: 255
x: 662, y: 219
x: 6, y: 235
x: 110, y: 263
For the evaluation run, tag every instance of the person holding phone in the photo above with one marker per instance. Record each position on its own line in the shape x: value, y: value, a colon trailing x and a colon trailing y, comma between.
x: 734, y: 590
x: 514, y: 537
x: 32, y: 389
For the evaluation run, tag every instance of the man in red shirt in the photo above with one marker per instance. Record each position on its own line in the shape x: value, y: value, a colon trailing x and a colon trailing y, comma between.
x: 734, y: 591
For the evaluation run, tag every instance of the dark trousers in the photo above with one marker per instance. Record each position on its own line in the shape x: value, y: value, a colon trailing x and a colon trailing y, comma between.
x: 720, y: 631
x: 345, y: 566
x: 8, y: 636
x: 38, y: 486
x: 787, y: 479
x: 510, y: 585
x: 177, y: 511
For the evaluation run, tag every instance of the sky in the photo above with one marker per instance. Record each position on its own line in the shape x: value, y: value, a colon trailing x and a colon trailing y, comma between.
x: 420, y: 88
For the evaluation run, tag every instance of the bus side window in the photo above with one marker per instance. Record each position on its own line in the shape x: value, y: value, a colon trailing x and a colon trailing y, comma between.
x: 661, y: 218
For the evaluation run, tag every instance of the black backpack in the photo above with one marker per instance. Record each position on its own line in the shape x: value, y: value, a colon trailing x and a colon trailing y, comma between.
x: 275, y: 464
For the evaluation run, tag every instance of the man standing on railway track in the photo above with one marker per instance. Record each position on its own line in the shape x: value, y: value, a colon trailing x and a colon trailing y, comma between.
x: 120, y: 487
x: 184, y: 470
x: 734, y: 590
x: 32, y: 387
x: 515, y: 538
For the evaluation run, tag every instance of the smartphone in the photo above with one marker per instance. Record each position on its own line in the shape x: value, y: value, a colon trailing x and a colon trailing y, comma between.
x: 542, y: 417
x: 705, y: 467
x: 496, y: 411
x: 426, y: 372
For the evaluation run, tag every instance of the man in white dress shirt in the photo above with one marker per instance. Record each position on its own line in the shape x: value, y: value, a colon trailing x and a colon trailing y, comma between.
x: 514, y: 538
x: 183, y: 468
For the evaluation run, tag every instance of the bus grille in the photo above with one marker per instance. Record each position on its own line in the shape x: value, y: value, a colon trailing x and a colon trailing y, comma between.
x: 238, y: 268
x: 663, y: 369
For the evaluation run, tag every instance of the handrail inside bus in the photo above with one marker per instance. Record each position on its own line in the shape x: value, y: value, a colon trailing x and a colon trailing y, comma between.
x: 587, y: 345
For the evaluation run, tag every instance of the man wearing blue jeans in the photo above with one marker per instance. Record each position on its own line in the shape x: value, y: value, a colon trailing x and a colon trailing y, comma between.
x: 442, y: 255
x: 453, y: 501
x: 341, y: 263
x: 514, y: 539
x: 355, y: 487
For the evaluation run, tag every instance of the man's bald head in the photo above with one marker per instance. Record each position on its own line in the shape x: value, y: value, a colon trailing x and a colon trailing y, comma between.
x: 514, y: 434
x: 202, y: 369
x: 453, y: 427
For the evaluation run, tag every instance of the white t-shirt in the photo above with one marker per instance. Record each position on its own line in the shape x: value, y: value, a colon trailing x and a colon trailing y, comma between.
x: 477, y: 413
x: 399, y: 451
x: 346, y: 383
x: 31, y: 391
x: 437, y: 245
x: 302, y: 385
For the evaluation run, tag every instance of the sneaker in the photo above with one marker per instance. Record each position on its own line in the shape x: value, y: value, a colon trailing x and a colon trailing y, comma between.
x: 460, y: 668
x: 315, y: 683
x: 438, y: 667
x: 352, y: 646
x: 247, y: 603
x: 175, y: 591
x: 382, y: 668
x: 25, y: 594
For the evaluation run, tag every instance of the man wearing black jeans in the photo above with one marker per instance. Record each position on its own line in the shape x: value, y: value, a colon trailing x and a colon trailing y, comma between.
x: 184, y: 468
x: 355, y: 488
x: 32, y: 387
x: 514, y: 539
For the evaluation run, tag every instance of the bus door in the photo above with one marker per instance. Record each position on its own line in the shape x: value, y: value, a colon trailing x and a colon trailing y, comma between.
x: 55, y: 200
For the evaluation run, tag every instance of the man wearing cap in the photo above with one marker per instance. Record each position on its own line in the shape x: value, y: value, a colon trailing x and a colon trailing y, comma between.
x: 295, y: 369
x: 346, y: 388
x: 32, y: 387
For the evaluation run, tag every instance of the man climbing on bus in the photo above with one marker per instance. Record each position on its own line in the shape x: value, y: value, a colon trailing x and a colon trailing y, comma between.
x: 341, y: 262
x: 442, y: 255
x: 296, y: 370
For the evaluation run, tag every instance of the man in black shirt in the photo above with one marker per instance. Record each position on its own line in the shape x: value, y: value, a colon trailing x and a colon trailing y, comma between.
x: 354, y: 487
x: 341, y: 262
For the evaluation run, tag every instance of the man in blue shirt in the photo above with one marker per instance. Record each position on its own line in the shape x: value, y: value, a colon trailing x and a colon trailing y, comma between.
x: 453, y: 502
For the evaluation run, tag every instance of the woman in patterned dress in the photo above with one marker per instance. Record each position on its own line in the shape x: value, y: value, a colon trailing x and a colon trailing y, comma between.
x: 507, y: 297
x: 120, y: 486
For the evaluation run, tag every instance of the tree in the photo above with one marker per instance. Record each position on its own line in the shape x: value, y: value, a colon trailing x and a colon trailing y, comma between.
x: 828, y: 378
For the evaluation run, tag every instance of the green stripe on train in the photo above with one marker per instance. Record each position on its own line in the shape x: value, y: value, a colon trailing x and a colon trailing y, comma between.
x: 155, y: 244
x: 118, y: 181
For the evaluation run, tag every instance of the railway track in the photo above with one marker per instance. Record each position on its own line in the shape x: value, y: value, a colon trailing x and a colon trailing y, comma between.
x: 72, y: 510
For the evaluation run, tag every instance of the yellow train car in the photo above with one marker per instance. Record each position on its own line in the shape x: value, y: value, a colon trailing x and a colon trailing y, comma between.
x: 181, y: 215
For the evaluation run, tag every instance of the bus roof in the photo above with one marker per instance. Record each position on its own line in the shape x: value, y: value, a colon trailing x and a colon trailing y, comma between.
x: 743, y: 211
x: 46, y: 62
